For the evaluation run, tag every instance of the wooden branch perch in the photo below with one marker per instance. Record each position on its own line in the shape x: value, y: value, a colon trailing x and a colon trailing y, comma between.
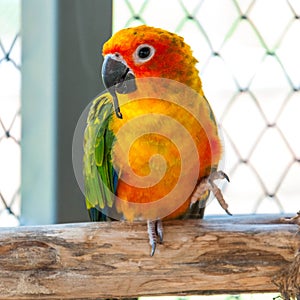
x: 111, y: 260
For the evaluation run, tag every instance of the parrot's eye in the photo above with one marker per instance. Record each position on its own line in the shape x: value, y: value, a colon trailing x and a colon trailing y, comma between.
x: 143, y: 53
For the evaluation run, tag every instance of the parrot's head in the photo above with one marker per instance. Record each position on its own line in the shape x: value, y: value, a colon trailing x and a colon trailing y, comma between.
x: 146, y: 51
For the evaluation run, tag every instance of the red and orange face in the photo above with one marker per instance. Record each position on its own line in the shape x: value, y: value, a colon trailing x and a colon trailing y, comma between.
x: 145, y: 51
x: 149, y: 51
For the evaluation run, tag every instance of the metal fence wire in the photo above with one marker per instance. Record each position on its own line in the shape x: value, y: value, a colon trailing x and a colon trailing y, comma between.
x: 10, y: 118
x: 249, y: 62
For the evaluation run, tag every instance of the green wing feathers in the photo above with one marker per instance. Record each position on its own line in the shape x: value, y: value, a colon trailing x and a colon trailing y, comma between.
x: 99, y: 175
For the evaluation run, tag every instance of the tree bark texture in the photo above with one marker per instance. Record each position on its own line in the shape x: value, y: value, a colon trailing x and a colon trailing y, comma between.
x: 111, y: 259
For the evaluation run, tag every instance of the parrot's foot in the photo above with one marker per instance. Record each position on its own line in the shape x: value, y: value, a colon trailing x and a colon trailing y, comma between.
x: 207, y: 184
x: 155, y: 229
x: 292, y: 220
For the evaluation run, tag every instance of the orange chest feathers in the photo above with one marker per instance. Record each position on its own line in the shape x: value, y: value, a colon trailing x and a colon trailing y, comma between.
x: 162, y: 149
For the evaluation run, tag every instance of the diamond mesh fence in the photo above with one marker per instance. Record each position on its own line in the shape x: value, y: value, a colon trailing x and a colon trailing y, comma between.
x: 249, y: 62
x: 250, y: 68
x: 10, y: 118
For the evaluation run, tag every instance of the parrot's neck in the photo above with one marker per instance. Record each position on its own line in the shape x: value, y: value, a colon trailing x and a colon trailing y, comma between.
x: 189, y: 75
x: 194, y: 82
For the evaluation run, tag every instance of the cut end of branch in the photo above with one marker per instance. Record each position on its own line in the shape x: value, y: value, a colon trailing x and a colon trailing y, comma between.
x: 288, y: 282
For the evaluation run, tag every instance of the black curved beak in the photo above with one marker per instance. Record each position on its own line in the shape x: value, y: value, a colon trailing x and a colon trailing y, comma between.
x: 117, y: 78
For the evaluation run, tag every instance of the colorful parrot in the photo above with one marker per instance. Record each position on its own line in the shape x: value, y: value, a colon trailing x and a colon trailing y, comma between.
x: 151, y: 132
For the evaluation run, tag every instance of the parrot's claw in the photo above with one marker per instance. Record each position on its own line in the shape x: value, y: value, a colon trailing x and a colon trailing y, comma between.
x: 155, y: 229
x: 207, y: 184
x: 160, y: 231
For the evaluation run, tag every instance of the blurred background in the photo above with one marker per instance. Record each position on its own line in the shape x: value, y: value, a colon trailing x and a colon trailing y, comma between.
x: 50, y: 58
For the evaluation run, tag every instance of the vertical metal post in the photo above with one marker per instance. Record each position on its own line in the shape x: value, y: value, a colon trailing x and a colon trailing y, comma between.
x: 61, y: 61
x: 39, y: 88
